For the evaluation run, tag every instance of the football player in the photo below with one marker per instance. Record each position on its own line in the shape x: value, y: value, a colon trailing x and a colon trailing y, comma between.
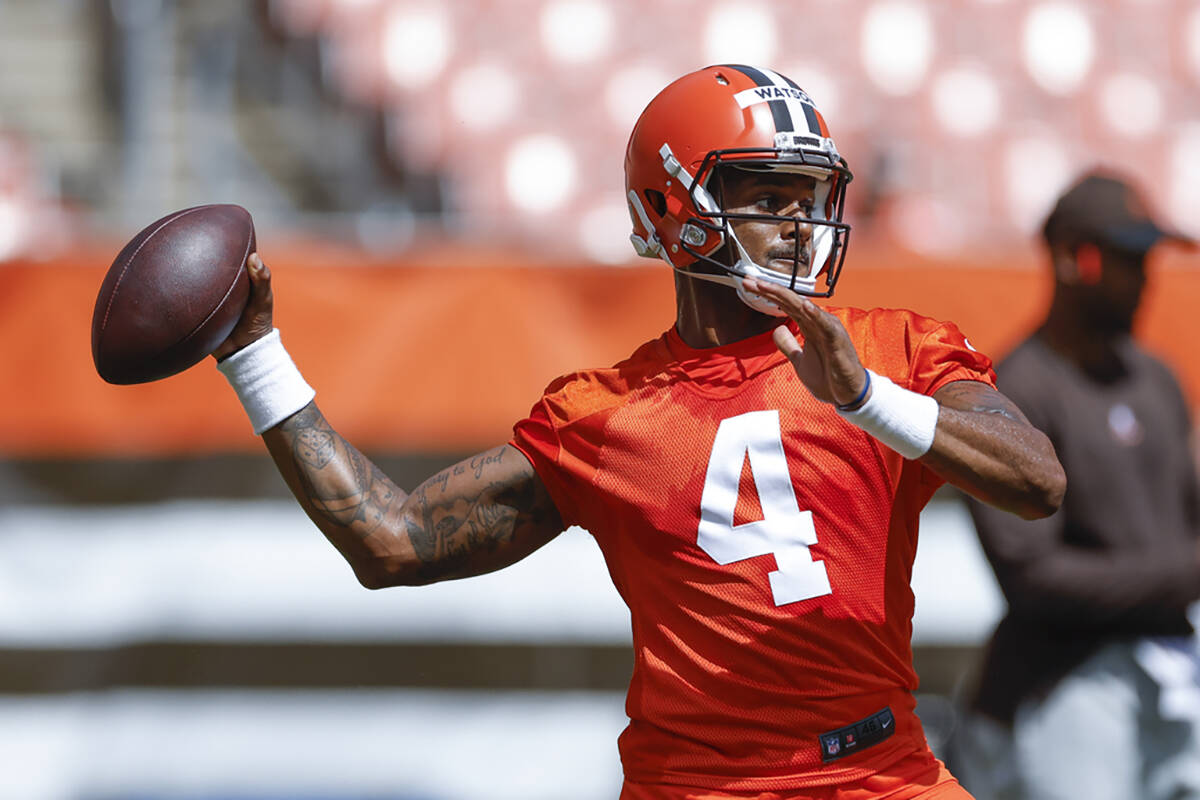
x: 753, y: 476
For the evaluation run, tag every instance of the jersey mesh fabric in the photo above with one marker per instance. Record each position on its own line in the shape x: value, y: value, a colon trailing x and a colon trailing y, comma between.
x: 731, y: 690
x: 918, y: 776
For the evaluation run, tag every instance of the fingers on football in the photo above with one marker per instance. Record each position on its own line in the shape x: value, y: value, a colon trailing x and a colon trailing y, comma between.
x: 260, y: 280
x: 257, y: 269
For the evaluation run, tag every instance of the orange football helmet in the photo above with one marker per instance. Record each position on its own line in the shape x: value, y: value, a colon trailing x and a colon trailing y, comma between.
x: 749, y: 118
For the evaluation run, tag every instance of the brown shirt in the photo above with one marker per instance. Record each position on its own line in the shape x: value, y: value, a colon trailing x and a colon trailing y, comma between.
x: 1118, y: 559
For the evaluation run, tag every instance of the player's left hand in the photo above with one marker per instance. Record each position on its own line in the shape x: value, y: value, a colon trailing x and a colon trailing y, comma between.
x: 827, y: 362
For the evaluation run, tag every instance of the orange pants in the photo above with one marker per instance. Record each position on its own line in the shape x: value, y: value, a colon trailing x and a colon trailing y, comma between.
x: 916, y: 777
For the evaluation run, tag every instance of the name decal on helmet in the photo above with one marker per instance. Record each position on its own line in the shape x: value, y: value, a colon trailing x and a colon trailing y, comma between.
x: 765, y: 94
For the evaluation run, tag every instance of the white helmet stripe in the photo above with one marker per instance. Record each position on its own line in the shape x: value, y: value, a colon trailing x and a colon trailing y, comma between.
x: 791, y: 106
x: 798, y: 102
x: 774, y: 92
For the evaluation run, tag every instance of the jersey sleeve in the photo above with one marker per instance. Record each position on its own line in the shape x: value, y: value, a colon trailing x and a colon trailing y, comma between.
x: 943, y: 355
x: 565, y: 433
x: 537, y: 437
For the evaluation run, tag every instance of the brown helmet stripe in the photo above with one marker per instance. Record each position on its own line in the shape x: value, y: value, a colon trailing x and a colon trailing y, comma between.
x: 779, y: 109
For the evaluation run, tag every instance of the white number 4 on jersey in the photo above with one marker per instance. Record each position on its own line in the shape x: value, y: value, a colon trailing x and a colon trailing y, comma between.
x: 784, y: 530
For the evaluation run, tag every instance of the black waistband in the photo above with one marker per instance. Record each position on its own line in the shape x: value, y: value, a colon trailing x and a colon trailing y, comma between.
x: 857, y: 736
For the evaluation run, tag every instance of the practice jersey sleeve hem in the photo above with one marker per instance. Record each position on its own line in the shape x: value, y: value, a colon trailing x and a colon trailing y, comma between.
x: 917, y: 352
x: 944, y: 356
x: 537, y: 439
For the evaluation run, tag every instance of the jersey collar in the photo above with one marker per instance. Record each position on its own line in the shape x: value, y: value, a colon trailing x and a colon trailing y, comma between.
x: 726, y: 365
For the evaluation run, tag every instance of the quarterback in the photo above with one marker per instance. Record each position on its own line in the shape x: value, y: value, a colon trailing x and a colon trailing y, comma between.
x: 753, y: 475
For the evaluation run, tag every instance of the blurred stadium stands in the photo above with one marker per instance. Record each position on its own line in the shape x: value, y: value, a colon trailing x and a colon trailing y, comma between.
x: 506, y: 122
x: 426, y: 177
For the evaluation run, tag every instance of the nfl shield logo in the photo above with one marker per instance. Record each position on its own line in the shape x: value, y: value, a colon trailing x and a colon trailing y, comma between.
x: 833, y: 746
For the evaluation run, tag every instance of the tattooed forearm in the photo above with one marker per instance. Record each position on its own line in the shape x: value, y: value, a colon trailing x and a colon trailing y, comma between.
x: 314, y: 448
x: 349, y: 491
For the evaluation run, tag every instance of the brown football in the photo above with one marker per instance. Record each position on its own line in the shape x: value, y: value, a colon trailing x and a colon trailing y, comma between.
x: 173, y: 294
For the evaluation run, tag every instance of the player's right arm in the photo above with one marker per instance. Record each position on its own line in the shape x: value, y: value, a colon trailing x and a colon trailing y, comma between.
x: 477, y: 516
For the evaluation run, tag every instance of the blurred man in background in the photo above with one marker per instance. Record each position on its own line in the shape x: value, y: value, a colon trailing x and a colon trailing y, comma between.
x: 753, y: 476
x: 1089, y: 684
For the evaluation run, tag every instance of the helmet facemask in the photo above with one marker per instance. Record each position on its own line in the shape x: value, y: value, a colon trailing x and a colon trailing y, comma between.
x: 819, y: 238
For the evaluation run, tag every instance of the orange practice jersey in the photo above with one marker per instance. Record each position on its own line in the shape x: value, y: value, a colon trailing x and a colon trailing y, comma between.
x: 764, y: 547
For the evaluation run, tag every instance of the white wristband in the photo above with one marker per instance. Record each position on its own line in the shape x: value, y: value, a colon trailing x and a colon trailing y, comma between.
x: 266, y: 381
x: 905, y: 421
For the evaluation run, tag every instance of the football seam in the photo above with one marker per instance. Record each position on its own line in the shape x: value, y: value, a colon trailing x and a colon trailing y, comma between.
x: 233, y: 285
x: 116, y: 286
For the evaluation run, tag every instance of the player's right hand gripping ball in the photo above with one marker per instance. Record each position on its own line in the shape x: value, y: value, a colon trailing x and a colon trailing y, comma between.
x: 173, y: 294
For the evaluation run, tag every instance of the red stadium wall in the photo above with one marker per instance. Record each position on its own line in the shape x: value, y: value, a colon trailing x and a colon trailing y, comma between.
x: 443, y: 351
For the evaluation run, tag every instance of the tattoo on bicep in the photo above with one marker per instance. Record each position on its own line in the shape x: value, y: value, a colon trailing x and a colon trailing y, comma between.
x: 479, y: 462
x: 446, y: 531
x: 490, y: 524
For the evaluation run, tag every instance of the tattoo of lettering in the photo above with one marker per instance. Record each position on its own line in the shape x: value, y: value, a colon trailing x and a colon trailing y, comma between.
x: 979, y: 397
x: 478, y: 463
x: 448, y: 529
x: 355, y: 494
